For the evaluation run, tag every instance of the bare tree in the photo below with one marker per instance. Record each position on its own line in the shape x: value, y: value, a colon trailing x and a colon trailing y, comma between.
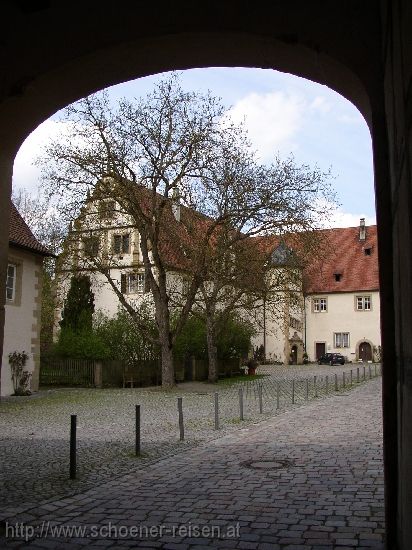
x: 259, y: 207
x: 143, y: 155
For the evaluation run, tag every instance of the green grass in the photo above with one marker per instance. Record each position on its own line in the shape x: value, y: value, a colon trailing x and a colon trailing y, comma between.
x: 241, y: 378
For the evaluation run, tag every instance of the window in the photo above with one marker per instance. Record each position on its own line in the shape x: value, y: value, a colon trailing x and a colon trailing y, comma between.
x: 338, y: 277
x: 363, y: 303
x: 367, y: 250
x: 11, y: 282
x: 320, y: 305
x: 106, y: 209
x: 341, y: 339
x: 132, y: 283
x: 121, y: 244
x: 295, y: 323
x: 91, y: 247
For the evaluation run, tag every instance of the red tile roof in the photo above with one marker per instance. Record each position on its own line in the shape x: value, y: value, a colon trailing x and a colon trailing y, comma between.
x: 346, y: 256
x: 21, y: 236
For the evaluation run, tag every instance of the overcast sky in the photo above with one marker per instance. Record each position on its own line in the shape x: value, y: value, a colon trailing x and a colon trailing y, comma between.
x: 283, y: 113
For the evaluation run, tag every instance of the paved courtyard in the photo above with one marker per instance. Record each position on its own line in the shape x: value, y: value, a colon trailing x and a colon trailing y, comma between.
x: 305, y: 476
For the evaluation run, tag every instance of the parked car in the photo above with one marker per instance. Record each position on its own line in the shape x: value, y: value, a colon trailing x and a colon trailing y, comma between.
x: 331, y: 359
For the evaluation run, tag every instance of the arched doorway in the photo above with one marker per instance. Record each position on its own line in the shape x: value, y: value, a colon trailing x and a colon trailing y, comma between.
x: 54, y: 56
x: 365, y: 351
x: 294, y: 355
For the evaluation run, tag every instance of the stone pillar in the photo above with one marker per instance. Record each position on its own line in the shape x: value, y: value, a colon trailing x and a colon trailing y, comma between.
x: 6, y: 168
x: 98, y: 374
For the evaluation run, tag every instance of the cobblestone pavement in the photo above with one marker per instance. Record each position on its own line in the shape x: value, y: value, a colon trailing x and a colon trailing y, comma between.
x: 35, y: 431
x: 307, y: 478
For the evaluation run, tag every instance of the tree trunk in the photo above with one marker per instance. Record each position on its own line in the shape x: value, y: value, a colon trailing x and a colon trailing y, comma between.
x: 166, y: 349
x: 168, y: 371
x: 212, y: 350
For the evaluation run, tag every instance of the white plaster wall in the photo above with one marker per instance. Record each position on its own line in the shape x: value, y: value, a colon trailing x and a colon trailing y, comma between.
x: 341, y: 316
x: 18, y: 329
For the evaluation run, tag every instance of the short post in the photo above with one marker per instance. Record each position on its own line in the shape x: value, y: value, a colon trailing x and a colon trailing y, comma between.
x: 260, y: 399
x: 241, y: 404
x: 293, y: 392
x: 336, y: 382
x: 327, y: 384
x: 351, y: 378
x: 137, y: 441
x: 357, y: 375
x: 181, y: 426
x: 216, y: 411
x: 73, y: 429
x: 364, y: 374
x: 307, y: 389
x: 315, y: 386
x: 370, y: 372
x: 277, y: 395
x: 343, y: 379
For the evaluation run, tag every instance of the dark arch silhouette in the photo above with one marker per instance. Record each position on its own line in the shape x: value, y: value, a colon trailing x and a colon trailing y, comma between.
x: 55, y: 52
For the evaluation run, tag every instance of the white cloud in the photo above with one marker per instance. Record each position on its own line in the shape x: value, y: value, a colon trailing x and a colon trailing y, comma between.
x: 347, y: 219
x: 25, y: 174
x: 272, y: 120
x: 320, y: 104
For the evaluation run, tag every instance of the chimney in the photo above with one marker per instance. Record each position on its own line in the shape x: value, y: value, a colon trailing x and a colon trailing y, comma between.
x: 176, y: 204
x: 362, y: 230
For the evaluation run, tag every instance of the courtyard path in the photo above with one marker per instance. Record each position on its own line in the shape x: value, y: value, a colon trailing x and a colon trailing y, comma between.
x: 308, y: 478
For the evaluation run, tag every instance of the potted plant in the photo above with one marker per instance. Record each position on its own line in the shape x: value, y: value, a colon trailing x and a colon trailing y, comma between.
x: 19, y: 376
x: 252, y: 365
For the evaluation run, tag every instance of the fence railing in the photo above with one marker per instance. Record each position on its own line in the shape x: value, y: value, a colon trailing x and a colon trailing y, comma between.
x: 109, y: 373
x: 72, y: 372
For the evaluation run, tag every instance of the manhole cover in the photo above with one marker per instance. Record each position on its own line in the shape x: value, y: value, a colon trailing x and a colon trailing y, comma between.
x: 269, y: 464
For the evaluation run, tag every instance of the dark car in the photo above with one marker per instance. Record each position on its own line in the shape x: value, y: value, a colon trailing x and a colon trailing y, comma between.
x: 331, y: 359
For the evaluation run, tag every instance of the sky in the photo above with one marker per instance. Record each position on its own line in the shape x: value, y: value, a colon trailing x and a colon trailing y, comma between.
x: 284, y: 115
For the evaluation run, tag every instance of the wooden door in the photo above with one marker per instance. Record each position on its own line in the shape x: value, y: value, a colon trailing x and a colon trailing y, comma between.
x: 365, y: 351
x: 320, y: 349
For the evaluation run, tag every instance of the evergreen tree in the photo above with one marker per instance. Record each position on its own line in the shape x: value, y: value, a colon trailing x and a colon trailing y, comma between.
x: 79, y: 305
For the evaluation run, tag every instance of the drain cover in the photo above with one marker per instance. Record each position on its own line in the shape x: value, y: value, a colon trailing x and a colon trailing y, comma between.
x: 269, y: 464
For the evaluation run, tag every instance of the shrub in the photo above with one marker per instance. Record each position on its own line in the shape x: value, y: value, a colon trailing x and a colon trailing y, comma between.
x: 20, y: 377
x: 80, y: 345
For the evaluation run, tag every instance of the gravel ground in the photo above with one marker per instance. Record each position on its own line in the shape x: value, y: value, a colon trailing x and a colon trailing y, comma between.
x: 35, y: 430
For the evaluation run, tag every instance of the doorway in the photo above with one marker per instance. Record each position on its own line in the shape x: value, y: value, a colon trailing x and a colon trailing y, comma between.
x: 365, y: 351
x: 320, y: 349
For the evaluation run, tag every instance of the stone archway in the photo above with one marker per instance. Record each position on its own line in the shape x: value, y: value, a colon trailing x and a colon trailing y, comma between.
x: 364, y: 351
x: 56, y: 55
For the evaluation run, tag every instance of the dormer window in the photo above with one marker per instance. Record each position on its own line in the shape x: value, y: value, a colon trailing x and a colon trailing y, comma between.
x: 121, y: 244
x: 91, y: 247
x: 367, y: 250
x: 338, y: 277
x: 106, y: 209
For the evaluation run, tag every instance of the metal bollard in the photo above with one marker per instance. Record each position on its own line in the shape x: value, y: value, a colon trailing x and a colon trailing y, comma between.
x: 364, y: 374
x: 181, y: 426
x: 216, y: 411
x: 293, y: 392
x: 357, y: 375
x: 137, y: 440
x: 307, y: 390
x: 315, y: 386
x: 73, y: 430
x: 376, y: 371
x: 343, y: 379
x: 327, y: 384
x: 241, y: 403
x: 260, y: 391
x: 370, y: 372
x: 336, y: 382
x: 351, y: 378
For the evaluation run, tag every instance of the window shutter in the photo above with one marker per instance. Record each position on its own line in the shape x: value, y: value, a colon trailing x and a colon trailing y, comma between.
x: 123, y: 283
